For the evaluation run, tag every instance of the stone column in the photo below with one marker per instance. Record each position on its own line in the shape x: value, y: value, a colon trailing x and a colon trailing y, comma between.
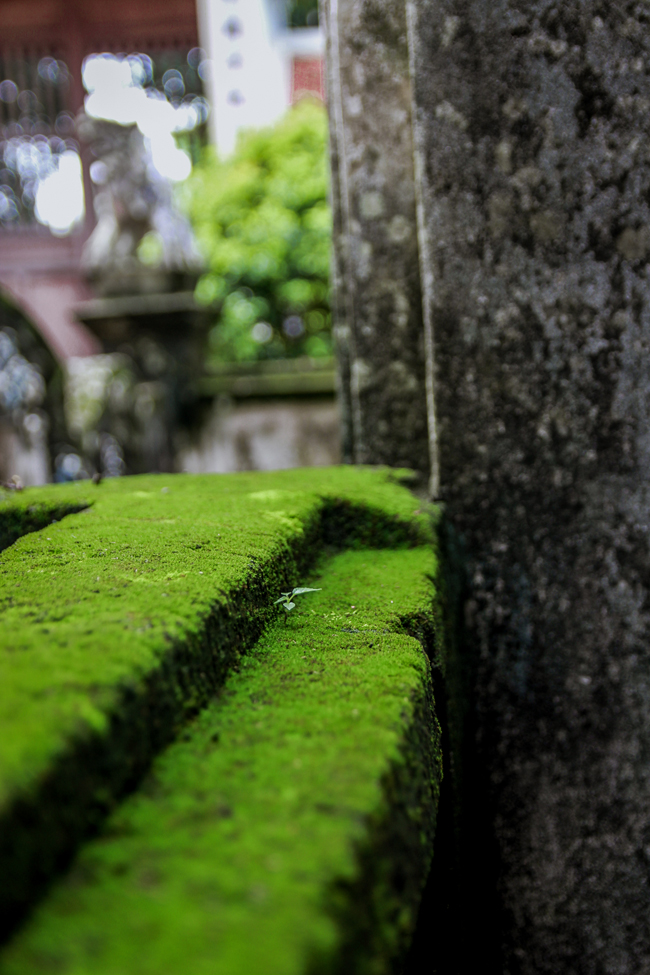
x: 532, y: 125
x: 377, y: 301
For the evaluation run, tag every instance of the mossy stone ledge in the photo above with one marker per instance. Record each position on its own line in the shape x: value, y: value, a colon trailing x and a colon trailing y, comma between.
x: 120, y: 624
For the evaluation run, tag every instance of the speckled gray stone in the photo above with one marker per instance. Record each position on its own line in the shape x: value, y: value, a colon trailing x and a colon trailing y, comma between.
x: 377, y: 297
x: 532, y: 124
x: 531, y: 127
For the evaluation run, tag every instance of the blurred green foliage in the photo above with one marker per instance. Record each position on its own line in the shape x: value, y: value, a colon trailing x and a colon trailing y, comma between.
x: 263, y: 222
x: 302, y: 13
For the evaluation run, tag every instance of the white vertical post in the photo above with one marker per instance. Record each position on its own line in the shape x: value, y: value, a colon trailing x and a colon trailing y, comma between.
x: 249, y: 82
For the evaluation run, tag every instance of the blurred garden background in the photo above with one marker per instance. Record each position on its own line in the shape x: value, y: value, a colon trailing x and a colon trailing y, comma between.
x: 165, y: 239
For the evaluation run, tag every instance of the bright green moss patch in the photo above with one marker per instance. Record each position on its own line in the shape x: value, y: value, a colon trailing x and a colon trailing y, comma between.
x: 119, y: 622
x: 290, y: 828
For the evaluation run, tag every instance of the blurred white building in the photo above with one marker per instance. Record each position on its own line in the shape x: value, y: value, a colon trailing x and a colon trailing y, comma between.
x: 257, y: 66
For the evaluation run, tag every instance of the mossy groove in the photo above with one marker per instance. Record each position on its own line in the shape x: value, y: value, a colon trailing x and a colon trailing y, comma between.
x: 115, y: 727
x: 46, y: 825
x: 18, y: 519
x: 288, y: 831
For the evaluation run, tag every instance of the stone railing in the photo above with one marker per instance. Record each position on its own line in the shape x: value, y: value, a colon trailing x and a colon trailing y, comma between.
x: 265, y: 416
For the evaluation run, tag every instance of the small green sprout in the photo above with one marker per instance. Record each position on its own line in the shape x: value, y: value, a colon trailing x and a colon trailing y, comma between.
x: 286, y: 599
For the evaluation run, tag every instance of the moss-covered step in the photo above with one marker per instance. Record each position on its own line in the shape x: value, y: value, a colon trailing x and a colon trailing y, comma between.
x: 120, y: 621
x: 289, y: 830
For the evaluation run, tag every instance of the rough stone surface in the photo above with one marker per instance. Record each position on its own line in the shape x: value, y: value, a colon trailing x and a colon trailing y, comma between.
x: 532, y: 123
x: 378, y: 302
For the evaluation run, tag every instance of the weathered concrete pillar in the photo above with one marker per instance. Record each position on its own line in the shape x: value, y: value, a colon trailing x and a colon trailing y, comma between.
x: 532, y: 128
x: 377, y: 296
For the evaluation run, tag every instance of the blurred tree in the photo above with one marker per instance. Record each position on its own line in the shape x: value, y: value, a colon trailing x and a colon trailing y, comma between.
x: 302, y: 13
x: 263, y: 222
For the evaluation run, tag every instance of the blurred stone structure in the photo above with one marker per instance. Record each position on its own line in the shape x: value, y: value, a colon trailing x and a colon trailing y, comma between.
x: 146, y: 319
x: 378, y: 322
x: 42, y: 47
x: 265, y: 416
x: 531, y: 179
x: 148, y: 376
x: 32, y: 421
x: 134, y: 200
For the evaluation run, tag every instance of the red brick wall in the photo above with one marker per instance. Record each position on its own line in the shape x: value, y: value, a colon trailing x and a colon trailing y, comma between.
x: 307, y: 78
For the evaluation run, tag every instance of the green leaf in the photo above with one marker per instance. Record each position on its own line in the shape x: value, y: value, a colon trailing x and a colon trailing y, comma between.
x: 282, y: 599
x: 289, y: 606
x: 298, y: 592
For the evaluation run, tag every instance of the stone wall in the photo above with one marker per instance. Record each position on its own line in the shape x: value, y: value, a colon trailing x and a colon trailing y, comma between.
x: 378, y: 301
x: 532, y: 162
x: 265, y: 435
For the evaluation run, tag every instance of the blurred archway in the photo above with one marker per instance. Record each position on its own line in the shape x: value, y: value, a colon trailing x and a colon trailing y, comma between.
x: 42, y: 160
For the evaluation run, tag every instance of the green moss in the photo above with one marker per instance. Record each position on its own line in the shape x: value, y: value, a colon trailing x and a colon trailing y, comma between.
x: 122, y: 620
x: 290, y: 828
